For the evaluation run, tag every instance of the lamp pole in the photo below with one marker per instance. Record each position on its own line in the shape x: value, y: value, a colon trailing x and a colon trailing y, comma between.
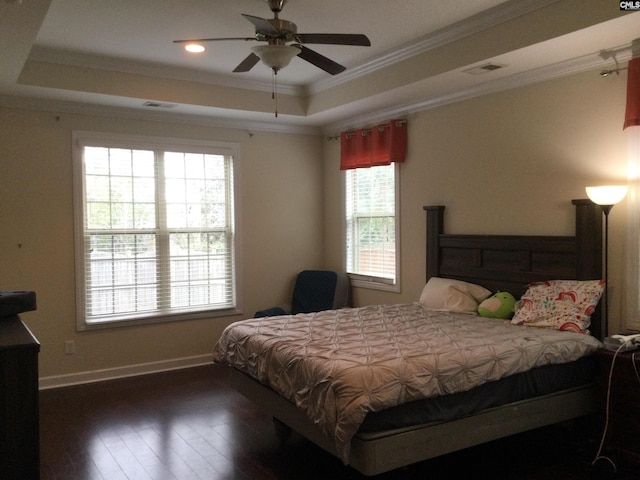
x: 606, y: 196
x: 605, y: 307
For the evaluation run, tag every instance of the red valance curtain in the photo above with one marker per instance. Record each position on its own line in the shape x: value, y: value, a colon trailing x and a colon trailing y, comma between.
x: 380, y: 145
x: 632, y: 114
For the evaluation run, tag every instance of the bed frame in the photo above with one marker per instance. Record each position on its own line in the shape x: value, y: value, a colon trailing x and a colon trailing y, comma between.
x: 498, y: 262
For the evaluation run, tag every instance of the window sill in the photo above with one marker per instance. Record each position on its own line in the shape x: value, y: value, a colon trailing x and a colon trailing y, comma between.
x: 373, y: 284
x: 156, y: 319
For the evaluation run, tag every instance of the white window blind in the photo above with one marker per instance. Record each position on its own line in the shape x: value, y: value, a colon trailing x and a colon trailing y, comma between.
x: 155, y: 230
x: 371, y: 227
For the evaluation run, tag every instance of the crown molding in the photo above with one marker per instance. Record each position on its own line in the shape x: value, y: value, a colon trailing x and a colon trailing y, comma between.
x: 567, y: 68
x: 474, y: 24
x: 469, y: 26
x: 222, y: 119
x: 225, y: 119
x: 98, y: 62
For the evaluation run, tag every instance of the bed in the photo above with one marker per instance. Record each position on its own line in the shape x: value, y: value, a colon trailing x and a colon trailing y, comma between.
x: 374, y: 428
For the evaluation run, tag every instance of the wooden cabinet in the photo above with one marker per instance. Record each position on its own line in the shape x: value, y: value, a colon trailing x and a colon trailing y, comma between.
x: 19, y: 409
x: 624, y: 403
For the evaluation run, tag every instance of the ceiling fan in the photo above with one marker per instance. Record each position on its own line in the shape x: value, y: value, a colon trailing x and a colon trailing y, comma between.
x: 284, y: 42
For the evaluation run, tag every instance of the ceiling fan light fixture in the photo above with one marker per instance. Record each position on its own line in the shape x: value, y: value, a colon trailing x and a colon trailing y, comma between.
x: 276, y: 57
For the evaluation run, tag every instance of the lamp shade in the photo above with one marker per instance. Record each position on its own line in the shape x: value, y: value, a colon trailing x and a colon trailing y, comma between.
x: 607, y: 194
x: 275, y: 57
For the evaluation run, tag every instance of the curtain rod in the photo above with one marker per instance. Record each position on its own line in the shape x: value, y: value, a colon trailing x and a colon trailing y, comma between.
x: 366, y: 130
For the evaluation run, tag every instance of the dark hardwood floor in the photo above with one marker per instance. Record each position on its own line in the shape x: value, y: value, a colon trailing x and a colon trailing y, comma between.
x: 188, y: 424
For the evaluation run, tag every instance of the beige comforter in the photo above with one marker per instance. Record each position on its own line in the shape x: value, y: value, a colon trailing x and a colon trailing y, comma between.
x: 338, y: 365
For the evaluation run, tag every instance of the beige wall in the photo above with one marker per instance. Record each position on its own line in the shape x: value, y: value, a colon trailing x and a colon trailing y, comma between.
x: 280, y: 184
x: 505, y: 163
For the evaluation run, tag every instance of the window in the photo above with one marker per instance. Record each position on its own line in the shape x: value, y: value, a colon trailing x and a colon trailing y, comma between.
x: 155, y: 237
x: 371, y: 227
x: 632, y: 264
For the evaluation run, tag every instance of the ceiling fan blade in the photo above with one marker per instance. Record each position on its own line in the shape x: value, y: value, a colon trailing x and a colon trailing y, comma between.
x: 198, y: 40
x: 262, y: 25
x: 247, y: 64
x: 335, y: 38
x: 320, y: 61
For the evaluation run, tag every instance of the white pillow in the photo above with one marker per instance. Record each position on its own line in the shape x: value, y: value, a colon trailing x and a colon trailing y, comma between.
x: 452, y: 295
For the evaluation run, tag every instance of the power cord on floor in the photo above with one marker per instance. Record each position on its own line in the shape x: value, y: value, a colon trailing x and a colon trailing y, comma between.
x: 635, y: 366
x: 599, y: 455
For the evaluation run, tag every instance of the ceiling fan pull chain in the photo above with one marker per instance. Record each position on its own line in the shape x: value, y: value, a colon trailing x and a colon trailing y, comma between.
x: 274, y: 89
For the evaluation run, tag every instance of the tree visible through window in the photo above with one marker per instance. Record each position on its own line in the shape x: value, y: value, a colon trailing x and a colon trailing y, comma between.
x: 155, y: 230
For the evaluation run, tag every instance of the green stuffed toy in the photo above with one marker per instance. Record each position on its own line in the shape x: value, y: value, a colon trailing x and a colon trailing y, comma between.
x: 499, y: 305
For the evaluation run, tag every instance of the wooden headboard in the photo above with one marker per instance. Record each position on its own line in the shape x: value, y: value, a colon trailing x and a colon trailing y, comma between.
x: 510, y: 262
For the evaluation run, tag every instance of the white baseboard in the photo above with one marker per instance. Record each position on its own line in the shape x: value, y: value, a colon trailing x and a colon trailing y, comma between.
x: 56, y: 381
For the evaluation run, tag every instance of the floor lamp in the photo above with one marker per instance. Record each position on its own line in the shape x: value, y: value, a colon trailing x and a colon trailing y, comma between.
x: 606, y: 196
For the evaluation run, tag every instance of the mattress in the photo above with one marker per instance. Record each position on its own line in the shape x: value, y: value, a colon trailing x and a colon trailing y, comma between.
x: 536, y: 382
x: 338, y: 366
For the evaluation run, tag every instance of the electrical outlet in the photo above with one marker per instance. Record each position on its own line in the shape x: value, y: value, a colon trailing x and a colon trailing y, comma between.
x: 69, y: 347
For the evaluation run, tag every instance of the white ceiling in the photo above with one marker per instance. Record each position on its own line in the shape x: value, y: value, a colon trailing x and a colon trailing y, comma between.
x: 114, y: 55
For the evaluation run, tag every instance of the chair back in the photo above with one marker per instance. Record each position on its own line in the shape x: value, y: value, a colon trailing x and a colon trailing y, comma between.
x: 317, y: 290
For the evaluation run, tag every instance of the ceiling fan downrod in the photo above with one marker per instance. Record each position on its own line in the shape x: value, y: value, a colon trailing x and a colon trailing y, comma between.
x: 276, y: 6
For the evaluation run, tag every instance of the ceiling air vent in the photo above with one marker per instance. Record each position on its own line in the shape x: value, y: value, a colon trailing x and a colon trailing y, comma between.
x: 158, y: 105
x: 486, y: 68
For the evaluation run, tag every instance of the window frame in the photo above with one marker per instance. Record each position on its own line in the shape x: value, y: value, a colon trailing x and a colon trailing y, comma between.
x: 81, y: 139
x: 369, y: 281
x: 631, y: 297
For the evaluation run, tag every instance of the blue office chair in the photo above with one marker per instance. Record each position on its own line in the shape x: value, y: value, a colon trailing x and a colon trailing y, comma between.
x: 314, y: 291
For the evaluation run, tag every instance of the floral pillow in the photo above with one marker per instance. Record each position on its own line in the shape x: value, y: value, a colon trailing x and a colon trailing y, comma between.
x: 559, y: 304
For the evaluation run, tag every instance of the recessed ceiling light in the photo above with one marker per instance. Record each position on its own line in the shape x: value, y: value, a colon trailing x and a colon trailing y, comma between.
x: 194, y: 48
